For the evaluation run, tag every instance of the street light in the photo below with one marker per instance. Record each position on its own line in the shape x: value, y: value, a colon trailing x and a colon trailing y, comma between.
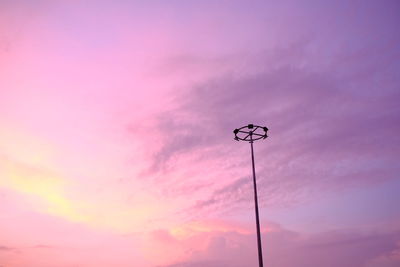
x: 251, y: 133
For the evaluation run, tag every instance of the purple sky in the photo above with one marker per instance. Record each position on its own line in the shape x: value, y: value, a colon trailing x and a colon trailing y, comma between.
x: 116, y: 144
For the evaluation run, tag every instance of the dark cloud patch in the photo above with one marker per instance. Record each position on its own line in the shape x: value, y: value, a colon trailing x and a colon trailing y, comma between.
x: 312, y: 108
x: 43, y: 247
x: 328, y: 129
x: 6, y: 249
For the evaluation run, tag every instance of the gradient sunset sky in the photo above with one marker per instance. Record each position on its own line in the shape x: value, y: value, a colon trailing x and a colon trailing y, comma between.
x: 116, y: 143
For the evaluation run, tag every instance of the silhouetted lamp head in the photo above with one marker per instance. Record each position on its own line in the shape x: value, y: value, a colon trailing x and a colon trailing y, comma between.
x: 250, y: 133
x: 266, y: 132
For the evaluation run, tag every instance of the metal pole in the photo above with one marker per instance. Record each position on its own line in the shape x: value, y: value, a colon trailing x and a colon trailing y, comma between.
x: 251, y: 133
x: 260, y: 258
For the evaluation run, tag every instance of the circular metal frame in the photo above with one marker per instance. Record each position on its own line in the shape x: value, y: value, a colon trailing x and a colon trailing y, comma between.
x: 250, y: 133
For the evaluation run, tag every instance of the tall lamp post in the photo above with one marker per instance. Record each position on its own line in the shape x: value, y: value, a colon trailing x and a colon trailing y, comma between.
x: 251, y: 133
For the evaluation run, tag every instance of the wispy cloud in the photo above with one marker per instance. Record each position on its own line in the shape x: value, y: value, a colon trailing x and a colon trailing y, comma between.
x: 325, y: 133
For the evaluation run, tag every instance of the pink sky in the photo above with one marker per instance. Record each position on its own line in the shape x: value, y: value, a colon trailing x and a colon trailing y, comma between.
x: 116, y: 144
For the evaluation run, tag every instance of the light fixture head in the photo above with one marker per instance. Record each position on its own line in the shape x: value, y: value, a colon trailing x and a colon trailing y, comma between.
x: 250, y: 133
